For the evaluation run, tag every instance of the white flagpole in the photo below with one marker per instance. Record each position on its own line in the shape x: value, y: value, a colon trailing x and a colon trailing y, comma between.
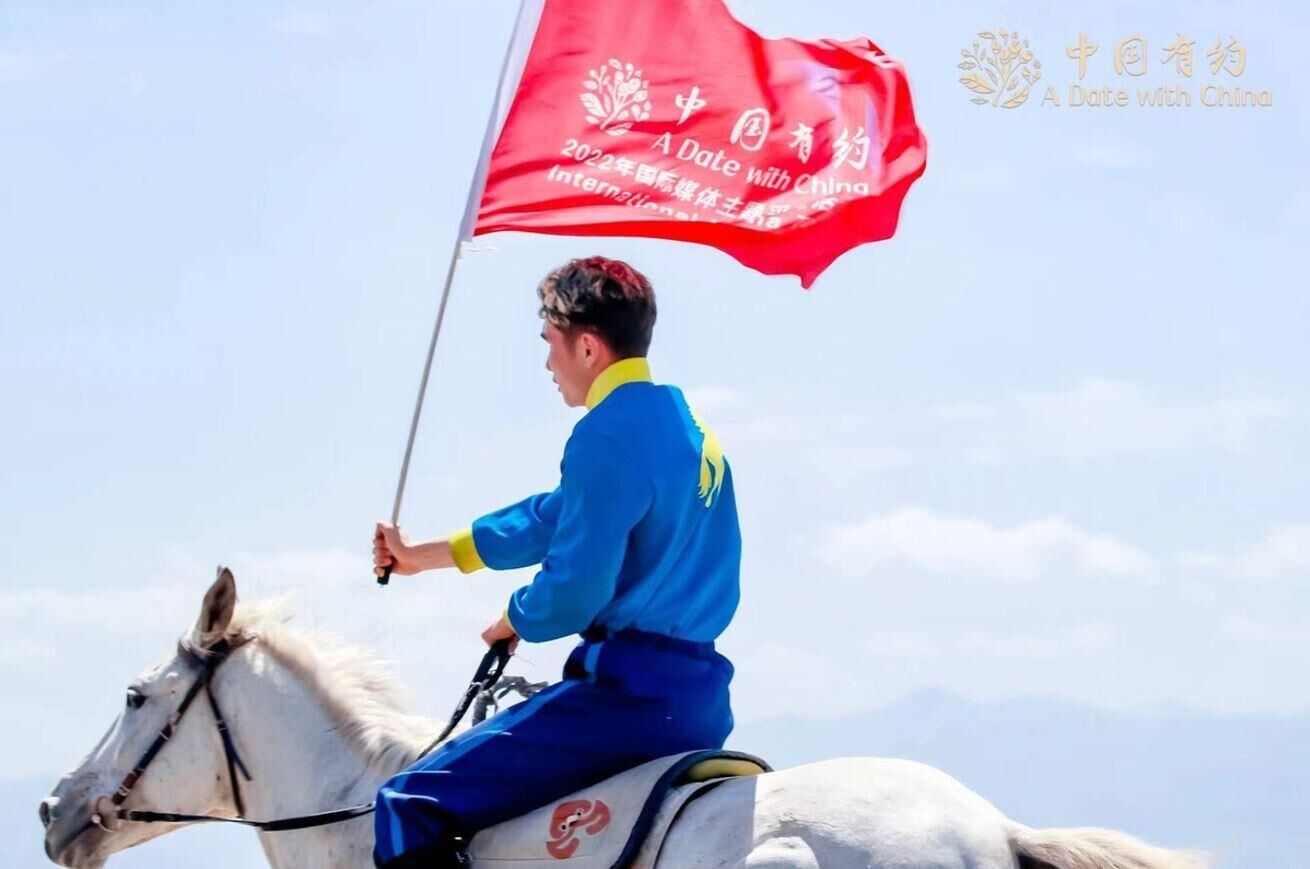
x: 516, y: 56
x: 423, y: 384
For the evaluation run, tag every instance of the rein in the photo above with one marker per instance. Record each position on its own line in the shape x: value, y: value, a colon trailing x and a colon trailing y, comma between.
x: 484, y: 680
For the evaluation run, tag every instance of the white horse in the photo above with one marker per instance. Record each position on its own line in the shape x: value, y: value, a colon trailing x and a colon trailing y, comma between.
x: 319, y: 727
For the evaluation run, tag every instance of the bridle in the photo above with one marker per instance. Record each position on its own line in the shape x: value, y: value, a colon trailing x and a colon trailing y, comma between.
x: 208, y: 664
x: 484, y: 680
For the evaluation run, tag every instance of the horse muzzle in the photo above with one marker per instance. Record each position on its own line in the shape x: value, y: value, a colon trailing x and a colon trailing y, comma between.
x: 73, y: 836
x: 82, y: 850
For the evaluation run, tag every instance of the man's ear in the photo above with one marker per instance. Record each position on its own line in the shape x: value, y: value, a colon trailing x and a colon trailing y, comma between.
x: 216, y: 610
x: 592, y: 346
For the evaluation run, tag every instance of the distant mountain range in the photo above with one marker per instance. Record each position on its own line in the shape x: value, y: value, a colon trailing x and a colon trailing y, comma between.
x: 1235, y: 785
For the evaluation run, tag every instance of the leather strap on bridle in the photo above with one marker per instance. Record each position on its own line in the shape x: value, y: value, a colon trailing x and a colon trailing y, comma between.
x: 234, y: 761
x: 208, y: 664
x: 299, y: 822
x: 484, y: 679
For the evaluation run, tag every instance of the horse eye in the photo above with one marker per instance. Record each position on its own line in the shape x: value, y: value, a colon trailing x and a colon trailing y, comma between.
x: 135, y: 698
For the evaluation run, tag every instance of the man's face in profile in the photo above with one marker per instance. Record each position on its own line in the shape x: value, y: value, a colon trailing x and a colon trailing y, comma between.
x: 571, y: 361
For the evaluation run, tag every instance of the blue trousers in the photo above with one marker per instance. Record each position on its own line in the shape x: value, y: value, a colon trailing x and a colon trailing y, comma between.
x: 625, y: 699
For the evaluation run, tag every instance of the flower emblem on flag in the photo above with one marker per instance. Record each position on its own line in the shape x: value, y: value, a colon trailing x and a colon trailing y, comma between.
x: 997, y: 67
x: 616, y: 95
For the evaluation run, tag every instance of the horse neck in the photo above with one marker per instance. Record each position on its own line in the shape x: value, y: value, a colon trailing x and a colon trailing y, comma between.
x: 299, y: 762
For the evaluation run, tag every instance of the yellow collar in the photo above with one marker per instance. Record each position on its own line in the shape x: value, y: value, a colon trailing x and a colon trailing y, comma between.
x: 632, y: 370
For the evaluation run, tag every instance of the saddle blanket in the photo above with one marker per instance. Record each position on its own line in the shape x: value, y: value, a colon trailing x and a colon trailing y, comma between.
x: 619, y: 822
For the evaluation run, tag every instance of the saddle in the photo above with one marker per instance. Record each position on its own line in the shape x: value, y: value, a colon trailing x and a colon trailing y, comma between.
x: 619, y: 823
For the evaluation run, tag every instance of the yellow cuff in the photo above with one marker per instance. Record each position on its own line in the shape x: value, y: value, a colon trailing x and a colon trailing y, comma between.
x: 465, y: 553
x: 505, y: 616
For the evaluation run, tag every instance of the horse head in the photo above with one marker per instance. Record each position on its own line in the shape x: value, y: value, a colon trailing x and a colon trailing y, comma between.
x: 184, y: 771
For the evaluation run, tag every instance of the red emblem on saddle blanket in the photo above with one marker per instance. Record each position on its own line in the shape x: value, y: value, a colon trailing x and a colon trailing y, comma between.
x: 569, y: 817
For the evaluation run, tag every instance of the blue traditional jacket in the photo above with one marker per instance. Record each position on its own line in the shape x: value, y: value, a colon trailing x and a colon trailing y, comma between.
x: 641, y: 532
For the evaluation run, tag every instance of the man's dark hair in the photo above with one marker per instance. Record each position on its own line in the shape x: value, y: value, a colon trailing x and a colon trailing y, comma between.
x: 604, y: 296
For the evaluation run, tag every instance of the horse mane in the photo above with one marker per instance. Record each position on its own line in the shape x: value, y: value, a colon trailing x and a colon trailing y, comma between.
x: 355, y: 687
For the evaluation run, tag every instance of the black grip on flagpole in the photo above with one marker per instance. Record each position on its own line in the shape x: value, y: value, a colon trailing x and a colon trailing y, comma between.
x: 386, y: 575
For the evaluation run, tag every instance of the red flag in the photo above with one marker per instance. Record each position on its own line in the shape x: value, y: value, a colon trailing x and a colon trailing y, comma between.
x: 671, y: 119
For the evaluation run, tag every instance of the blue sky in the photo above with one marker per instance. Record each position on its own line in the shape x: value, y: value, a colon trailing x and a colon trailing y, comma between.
x: 1047, y: 442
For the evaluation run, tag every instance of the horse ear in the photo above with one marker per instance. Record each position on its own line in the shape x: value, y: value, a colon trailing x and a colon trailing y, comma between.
x: 216, y: 611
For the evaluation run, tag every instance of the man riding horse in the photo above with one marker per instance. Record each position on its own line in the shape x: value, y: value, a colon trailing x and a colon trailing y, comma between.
x: 640, y: 554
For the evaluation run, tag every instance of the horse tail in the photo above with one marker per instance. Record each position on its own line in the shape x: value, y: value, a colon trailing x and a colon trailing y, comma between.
x: 1094, y: 848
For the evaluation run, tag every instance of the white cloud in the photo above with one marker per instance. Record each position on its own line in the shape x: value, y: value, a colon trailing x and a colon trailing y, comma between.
x: 893, y: 662
x: 65, y: 657
x: 112, y: 611
x: 1278, y: 637
x: 1196, y: 560
x: 1100, y: 417
x: 18, y: 66
x: 1094, y: 418
x: 1284, y: 551
x: 840, y: 461
x: 1028, y: 645
x: 915, y: 539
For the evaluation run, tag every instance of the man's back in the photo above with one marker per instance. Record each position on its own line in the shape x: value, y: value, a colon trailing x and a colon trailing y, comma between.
x: 642, y: 531
x: 680, y: 576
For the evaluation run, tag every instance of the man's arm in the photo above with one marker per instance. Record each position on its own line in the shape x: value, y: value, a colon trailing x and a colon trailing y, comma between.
x: 602, y: 497
x: 512, y: 537
x: 516, y: 536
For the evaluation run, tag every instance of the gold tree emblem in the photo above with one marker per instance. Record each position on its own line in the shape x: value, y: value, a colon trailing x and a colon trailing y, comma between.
x: 997, y: 66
